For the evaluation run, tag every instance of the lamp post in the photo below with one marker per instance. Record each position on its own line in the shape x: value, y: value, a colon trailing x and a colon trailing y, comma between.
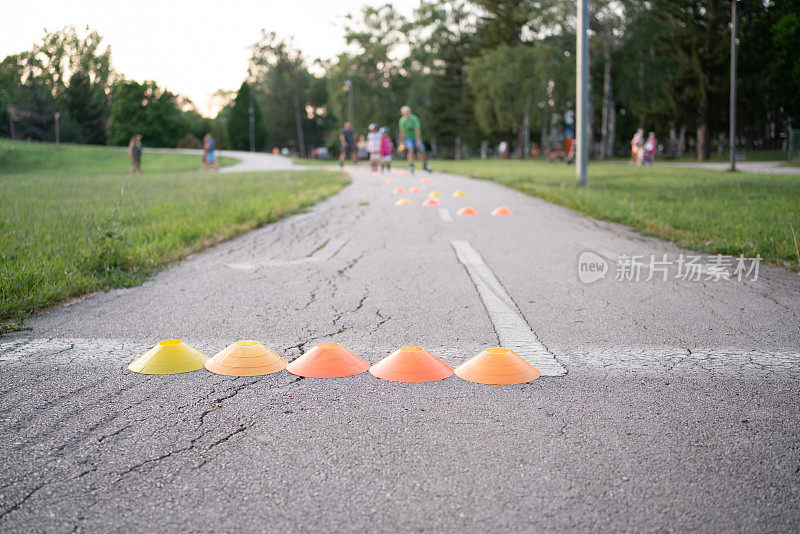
x: 348, y: 86
x: 251, y: 113
x: 582, y: 90
x: 734, y: 38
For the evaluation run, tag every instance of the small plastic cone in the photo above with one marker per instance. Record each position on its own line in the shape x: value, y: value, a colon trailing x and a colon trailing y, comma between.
x: 327, y: 360
x: 424, y: 179
x: 458, y: 194
x: 434, y: 194
x: 390, y: 180
x: 415, y: 189
x: 245, y: 358
x: 411, y: 364
x: 375, y: 173
x: 502, y: 210
x: 401, y: 173
x: 167, y: 358
x: 402, y: 202
x: 398, y: 190
x: 497, y: 366
x: 431, y: 202
x: 466, y: 210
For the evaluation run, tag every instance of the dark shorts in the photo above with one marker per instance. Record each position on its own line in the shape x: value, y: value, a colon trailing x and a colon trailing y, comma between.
x: 348, y: 150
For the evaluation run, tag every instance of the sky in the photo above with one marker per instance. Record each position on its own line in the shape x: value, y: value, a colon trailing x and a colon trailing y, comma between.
x: 191, y: 48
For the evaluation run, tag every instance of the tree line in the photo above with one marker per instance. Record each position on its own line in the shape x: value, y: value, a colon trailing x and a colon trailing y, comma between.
x: 474, y: 71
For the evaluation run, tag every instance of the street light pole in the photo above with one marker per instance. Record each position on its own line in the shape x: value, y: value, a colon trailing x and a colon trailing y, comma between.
x: 251, y: 113
x: 734, y: 38
x: 582, y: 90
x: 348, y: 86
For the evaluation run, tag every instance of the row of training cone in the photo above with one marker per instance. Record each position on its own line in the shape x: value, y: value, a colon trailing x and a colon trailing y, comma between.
x: 331, y: 360
x: 466, y: 210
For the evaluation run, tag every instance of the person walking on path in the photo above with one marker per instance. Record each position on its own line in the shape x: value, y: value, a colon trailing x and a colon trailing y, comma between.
x: 650, y: 149
x: 374, y: 146
x: 411, y: 138
x: 348, y: 140
x: 135, y: 153
x: 637, y: 144
x: 387, y: 147
x: 210, y: 147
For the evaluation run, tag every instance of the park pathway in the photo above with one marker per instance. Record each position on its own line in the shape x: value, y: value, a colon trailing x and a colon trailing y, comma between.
x: 665, y: 403
x: 760, y: 167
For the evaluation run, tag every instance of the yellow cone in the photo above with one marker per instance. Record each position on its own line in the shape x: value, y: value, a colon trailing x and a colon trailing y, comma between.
x: 434, y: 194
x: 458, y: 194
x: 169, y: 357
x: 402, y: 202
x: 245, y: 358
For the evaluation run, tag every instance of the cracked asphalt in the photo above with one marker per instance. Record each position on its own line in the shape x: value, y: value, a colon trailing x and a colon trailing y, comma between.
x: 679, y: 411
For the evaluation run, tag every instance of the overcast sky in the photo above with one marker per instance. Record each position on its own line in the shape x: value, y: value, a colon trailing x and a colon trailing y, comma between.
x: 191, y: 48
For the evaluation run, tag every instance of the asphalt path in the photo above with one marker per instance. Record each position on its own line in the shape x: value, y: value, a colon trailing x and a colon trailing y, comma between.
x: 668, y: 406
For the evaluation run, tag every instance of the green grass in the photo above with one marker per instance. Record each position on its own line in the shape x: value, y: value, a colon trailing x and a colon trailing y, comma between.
x: 84, y: 224
x: 21, y: 157
x: 737, y: 213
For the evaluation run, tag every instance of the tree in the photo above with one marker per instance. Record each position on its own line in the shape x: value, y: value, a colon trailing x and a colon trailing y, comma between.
x: 698, y: 39
x: 146, y: 109
x: 86, y: 104
x: 281, y: 79
x: 239, y: 121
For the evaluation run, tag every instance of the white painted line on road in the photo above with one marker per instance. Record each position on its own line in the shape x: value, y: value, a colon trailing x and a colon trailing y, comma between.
x: 512, y: 328
x: 444, y: 215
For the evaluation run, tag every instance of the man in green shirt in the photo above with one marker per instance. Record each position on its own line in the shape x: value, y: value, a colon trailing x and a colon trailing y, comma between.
x: 411, y: 138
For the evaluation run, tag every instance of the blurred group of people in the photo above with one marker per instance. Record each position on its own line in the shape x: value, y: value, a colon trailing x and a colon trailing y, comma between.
x: 643, y: 151
x: 135, y: 149
x: 378, y: 147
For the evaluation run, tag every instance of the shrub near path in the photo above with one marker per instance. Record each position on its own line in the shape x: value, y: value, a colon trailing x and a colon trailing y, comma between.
x: 65, y: 232
x: 709, y: 211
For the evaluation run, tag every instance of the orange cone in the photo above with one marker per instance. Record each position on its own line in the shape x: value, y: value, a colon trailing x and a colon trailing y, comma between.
x: 398, y: 190
x: 431, y: 202
x: 390, y: 180
x: 497, y: 366
x: 424, y: 179
x: 415, y: 189
x: 327, y: 360
x: 466, y: 210
x: 245, y: 358
x: 502, y: 210
x: 411, y: 364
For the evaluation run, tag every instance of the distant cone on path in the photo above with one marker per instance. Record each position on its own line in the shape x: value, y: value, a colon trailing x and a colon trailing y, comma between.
x: 390, y: 180
x: 502, y: 210
x: 466, y: 210
x: 411, y: 364
x: 245, y: 358
x: 497, y: 366
x: 415, y: 189
x: 458, y: 194
x: 424, y: 179
x: 402, y: 202
x: 327, y: 360
x: 434, y: 194
x: 169, y: 357
x: 431, y: 202
x: 398, y: 190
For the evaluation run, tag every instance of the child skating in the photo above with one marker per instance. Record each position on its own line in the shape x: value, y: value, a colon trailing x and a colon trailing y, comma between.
x: 374, y: 147
x: 387, y: 147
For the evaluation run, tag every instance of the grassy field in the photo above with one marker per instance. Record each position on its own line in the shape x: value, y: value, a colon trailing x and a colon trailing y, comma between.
x: 711, y: 211
x: 72, y: 220
x: 22, y: 157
